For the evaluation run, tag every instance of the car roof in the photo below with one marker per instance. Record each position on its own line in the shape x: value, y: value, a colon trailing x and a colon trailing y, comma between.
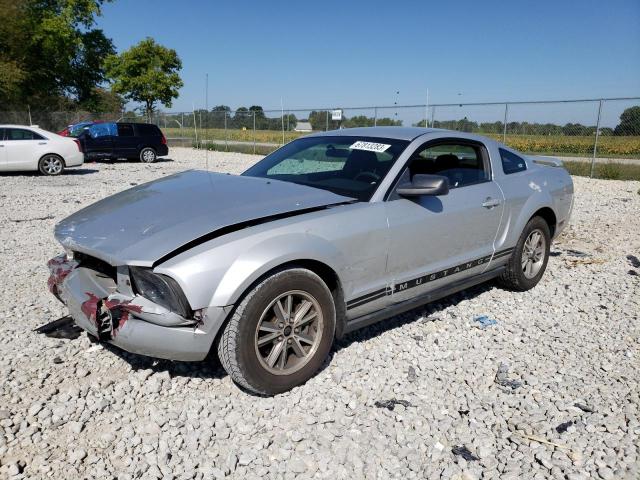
x: 396, y: 133
x: 35, y: 127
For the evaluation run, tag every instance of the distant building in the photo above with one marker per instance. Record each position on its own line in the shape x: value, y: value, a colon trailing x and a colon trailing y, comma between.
x: 303, y: 127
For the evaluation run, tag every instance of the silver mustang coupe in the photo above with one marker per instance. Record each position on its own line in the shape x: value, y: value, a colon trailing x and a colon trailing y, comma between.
x: 330, y: 233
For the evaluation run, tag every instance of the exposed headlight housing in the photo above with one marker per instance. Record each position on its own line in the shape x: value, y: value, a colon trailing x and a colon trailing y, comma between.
x: 160, y: 289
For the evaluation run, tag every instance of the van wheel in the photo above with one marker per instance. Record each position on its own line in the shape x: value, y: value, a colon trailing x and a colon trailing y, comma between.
x: 51, y: 165
x: 280, y: 333
x: 529, y: 260
x: 148, y: 155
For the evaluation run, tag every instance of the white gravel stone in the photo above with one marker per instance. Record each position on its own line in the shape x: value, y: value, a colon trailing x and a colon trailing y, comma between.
x: 103, y: 413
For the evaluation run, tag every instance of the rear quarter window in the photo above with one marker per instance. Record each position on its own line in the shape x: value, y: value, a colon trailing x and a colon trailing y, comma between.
x: 512, y: 163
x: 144, y: 129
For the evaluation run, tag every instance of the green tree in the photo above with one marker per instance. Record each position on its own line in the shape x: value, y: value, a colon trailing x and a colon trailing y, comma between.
x: 242, y: 118
x: 51, y: 54
x: 258, y: 111
x: 629, y: 122
x: 104, y: 101
x: 146, y: 73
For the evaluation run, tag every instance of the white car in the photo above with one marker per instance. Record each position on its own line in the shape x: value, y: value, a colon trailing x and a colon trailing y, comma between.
x: 32, y: 148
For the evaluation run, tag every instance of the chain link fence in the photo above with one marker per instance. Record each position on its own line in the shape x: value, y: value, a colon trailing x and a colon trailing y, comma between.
x: 596, y: 137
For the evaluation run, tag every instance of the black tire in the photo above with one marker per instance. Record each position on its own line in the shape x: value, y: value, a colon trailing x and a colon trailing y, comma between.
x: 51, y: 165
x: 237, y: 344
x: 148, y: 155
x: 514, y: 278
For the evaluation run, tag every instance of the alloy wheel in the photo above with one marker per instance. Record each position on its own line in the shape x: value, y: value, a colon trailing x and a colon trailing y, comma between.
x: 52, y: 165
x: 289, y: 332
x: 533, y: 253
x: 148, y: 156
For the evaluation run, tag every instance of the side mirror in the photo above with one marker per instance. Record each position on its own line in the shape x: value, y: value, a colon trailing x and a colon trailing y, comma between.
x: 424, y: 185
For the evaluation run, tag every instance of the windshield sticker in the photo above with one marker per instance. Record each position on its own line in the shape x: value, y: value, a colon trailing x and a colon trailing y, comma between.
x: 369, y: 146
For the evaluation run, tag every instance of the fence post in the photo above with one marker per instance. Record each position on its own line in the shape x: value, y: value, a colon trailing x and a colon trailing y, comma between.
x: 595, y: 143
x: 254, y: 132
x: 226, y: 139
x: 504, y: 127
x: 375, y: 116
x: 326, y: 128
x: 195, y: 129
x: 433, y: 115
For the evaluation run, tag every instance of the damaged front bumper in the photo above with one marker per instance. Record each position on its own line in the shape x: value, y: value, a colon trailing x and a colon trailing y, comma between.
x: 131, y: 321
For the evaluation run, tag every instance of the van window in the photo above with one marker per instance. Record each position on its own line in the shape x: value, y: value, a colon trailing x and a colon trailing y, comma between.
x: 125, y: 130
x: 145, y: 129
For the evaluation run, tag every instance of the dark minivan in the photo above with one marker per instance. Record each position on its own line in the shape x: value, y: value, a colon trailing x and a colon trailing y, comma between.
x: 110, y: 141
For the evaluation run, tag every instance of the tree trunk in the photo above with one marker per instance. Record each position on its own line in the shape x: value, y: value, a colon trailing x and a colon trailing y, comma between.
x: 149, y: 109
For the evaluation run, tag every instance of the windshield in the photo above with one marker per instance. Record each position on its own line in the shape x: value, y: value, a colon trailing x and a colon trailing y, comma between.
x: 349, y: 166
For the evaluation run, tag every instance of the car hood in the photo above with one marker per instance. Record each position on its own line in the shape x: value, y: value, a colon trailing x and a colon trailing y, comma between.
x: 141, y: 225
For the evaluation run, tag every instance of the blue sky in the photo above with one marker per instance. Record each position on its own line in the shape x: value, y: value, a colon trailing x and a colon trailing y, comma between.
x: 352, y: 53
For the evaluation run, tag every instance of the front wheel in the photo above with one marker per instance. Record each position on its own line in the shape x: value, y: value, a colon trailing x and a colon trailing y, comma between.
x: 51, y: 165
x: 280, y: 333
x: 148, y: 155
x: 529, y: 260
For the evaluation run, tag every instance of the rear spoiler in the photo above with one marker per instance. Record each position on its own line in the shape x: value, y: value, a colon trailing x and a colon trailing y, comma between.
x: 548, y: 161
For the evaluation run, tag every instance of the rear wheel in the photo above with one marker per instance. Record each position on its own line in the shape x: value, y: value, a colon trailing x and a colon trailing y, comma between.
x: 51, y: 165
x: 529, y: 260
x: 148, y: 155
x: 280, y: 333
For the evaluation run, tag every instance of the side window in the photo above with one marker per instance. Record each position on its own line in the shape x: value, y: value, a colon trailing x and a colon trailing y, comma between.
x: 462, y: 164
x: 1, y: 134
x: 147, y: 130
x: 21, y: 134
x: 512, y: 163
x: 125, y: 130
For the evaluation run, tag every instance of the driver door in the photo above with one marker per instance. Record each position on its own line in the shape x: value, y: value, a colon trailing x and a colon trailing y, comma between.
x: 438, y: 240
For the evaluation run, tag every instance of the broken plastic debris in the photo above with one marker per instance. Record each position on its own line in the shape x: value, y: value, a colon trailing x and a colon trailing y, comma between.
x: 465, y: 453
x: 563, y: 426
x: 63, y: 327
x: 502, y: 377
x: 484, y: 321
x: 391, y: 404
x: 577, y: 253
x: 583, y: 407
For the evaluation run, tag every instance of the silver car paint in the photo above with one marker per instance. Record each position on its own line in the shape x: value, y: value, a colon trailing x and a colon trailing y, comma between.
x: 367, y: 245
x: 155, y: 218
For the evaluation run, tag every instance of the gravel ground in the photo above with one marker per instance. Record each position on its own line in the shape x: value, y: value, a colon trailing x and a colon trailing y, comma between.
x: 549, y: 391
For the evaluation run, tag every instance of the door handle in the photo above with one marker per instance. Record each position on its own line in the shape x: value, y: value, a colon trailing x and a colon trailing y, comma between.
x: 491, y: 202
x: 42, y: 143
